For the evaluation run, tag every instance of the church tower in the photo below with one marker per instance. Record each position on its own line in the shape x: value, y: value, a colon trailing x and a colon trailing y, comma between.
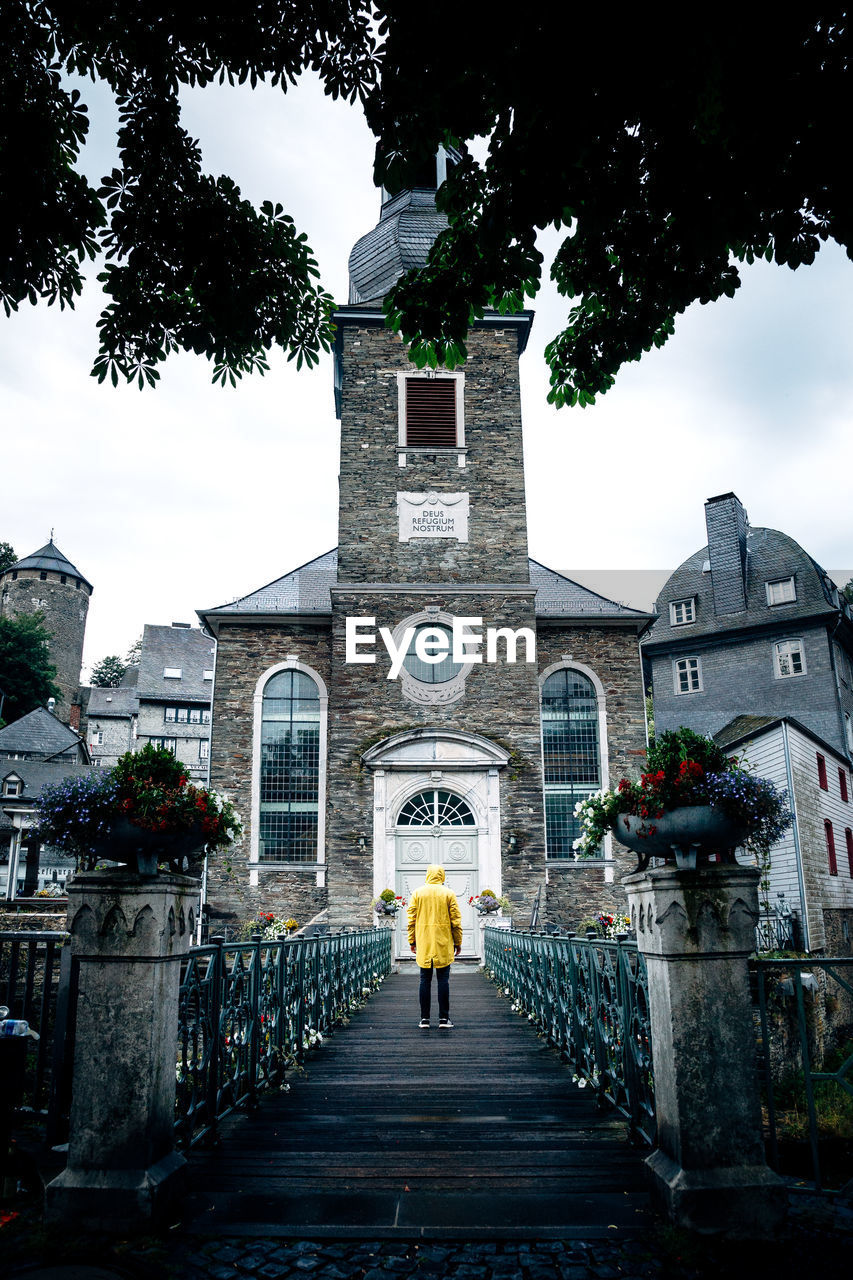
x: 47, y: 583
x: 432, y: 528
x: 423, y: 693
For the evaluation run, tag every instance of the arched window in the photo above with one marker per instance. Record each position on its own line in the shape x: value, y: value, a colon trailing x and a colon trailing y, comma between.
x: 290, y: 769
x: 436, y: 809
x: 571, y: 755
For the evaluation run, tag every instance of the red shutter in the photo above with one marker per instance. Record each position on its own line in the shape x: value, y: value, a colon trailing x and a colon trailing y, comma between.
x: 842, y: 785
x: 849, y: 837
x: 830, y: 847
x: 821, y: 772
x: 431, y: 412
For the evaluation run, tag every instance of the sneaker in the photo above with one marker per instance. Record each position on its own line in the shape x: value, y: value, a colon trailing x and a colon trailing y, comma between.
x: 423, y: 1025
x: 444, y: 1024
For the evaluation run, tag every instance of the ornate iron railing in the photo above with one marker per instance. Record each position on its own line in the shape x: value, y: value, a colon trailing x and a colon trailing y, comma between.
x: 589, y: 997
x: 249, y: 1010
x: 34, y: 985
x: 805, y: 1012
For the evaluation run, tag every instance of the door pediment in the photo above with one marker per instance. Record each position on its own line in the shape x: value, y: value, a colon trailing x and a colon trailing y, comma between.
x: 445, y: 748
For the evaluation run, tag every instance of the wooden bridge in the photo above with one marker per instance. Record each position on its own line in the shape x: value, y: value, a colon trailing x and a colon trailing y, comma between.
x: 475, y: 1132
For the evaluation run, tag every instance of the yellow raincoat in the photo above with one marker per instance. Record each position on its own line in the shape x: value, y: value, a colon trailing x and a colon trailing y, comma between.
x: 435, y: 925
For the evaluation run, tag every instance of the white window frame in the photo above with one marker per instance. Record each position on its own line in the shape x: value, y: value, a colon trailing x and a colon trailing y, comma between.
x: 172, y: 673
x: 414, y: 690
x: 569, y: 664
x: 13, y: 786
x: 204, y: 748
x: 696, y: 671
x: 318, y: 867
x: 789, y: 647
x: 787, y: 593
x: 460, y: 448
x: 688, y: 606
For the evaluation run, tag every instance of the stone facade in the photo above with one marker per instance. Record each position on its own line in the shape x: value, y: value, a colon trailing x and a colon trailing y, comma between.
x: 397, y: 755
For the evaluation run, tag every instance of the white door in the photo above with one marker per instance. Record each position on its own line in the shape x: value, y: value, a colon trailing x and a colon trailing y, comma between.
x: 437, y: 827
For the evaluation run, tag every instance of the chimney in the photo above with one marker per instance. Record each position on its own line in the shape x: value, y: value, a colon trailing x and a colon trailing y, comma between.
x: 727, y: 524
x: 74, y: 716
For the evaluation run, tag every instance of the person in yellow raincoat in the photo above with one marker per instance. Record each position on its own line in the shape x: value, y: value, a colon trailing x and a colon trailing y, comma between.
x: 435, y: 936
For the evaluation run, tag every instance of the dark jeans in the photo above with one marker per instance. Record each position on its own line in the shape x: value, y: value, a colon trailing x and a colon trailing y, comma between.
x: 442, y: 977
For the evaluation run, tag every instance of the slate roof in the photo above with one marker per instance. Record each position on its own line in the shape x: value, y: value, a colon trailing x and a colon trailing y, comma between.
x: 771, y: 555
x: 558, y: 596
x: 51, y: 558
x: 184, y: 647
x: 744, y: 727
x: 306, y: 591
x: 38, y: 733
x: 401, y: 240
x: 117, y: 703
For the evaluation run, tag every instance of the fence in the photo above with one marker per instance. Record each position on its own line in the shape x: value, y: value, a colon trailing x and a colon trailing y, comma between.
x: 589, y: 997
x: 249, y: 1010
x: 805, y: 1017
x: 35, y: 985
x: 247, y: 1013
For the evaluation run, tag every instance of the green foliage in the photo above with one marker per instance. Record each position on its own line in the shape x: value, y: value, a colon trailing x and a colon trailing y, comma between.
x: 134, y: 654
x: 846, y: 591
x: 7, y: 556
x: 108, y: 673
x: 663, y: 167
x: 190, y: 264
x: 833, y: 1104
x: 26, y: 673
x: 673, y: 746
x: 661, y: 161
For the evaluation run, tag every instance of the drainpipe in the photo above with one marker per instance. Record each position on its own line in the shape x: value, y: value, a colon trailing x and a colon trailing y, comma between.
x: 796, y: 831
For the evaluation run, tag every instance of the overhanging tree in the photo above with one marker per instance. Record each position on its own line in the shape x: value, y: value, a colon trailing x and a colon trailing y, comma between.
x: 666, y: 153
x: 109, y: 672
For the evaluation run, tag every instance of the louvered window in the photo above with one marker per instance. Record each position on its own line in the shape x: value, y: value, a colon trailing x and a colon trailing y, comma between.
x: 431, y: 413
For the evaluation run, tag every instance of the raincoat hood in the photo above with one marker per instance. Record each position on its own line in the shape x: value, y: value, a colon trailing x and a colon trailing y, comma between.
x: 435, y: 875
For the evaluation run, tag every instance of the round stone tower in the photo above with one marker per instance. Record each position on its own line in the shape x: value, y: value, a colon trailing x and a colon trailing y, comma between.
x: 47, y: 583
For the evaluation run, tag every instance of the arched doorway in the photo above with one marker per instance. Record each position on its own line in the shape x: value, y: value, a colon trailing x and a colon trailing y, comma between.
x: 436, y: 826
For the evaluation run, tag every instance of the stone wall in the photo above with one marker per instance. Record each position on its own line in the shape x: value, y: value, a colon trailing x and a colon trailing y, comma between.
x: 65, y: 608
x: 370, y: 477
x: 244, y: 653
x: 500, y: 702
x: 578, y: 890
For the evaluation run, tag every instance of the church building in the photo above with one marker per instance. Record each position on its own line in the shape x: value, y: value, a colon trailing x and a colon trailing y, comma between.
x: 424, y: 693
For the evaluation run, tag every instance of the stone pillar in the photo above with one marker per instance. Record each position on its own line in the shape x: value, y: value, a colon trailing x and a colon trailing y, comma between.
x: 128, y: 935
x: 696, y: 930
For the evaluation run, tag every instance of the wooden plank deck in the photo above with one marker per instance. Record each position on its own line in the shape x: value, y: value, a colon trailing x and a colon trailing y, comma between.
x: 396, y: 1131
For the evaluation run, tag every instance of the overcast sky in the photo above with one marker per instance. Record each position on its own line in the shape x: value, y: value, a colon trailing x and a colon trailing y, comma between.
x: 190, y: 495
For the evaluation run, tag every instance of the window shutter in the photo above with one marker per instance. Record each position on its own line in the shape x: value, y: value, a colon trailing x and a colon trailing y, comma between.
x: 431, y: 412
x: 830, y: 847
x: 821, y: 772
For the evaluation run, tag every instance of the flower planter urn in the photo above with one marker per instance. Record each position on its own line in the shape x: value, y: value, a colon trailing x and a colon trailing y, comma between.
x: 681, y: 835
x: 141, y: 850
x: 488, y: 906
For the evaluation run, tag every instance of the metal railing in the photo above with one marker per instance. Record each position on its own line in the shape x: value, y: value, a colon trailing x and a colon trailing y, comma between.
x: 35, y: 985
x: 249, y: 1011
x: 589, y: 998
x: 807, y: 1063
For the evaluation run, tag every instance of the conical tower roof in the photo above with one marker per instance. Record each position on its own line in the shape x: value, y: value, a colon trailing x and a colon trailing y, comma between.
x: 49, y: 557
x: 402, y: 238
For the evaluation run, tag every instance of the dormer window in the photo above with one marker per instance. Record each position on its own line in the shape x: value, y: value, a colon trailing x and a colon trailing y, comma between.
x: 430, y: 414
x: 682, y: 611
x: 171, y: 673
x: 781, y: 591
x: 12, y: 786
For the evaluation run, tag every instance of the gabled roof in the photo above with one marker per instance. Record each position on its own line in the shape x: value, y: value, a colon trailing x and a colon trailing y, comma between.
x: 39, y: 733
x: 743, y: 728
x: 49, y: 557
x: 186, y: 649
x: 560, y: 597
x: 119, y: 702
x: 307, y: 591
